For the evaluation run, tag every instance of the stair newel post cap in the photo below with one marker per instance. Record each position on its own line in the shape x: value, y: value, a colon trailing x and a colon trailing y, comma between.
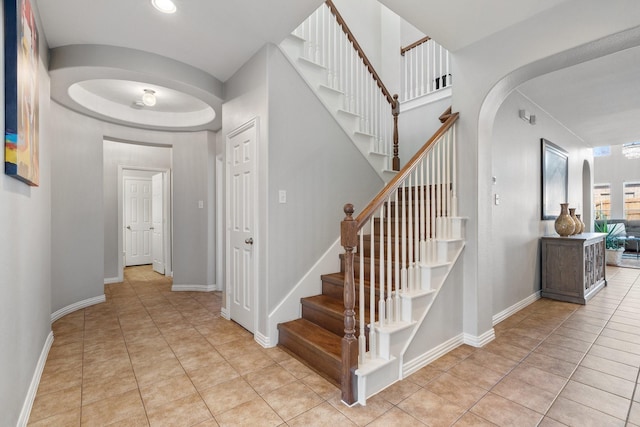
x: 349, y: 228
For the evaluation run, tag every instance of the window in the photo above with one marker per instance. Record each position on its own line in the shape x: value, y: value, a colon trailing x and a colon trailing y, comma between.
x: 632, y: 200
x: 602, y: 201
x: 604, y: 150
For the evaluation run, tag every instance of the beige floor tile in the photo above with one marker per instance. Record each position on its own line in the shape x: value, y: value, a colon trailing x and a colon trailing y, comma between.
x: 395, y: 417
x: 251, y: 362
x: 476, y: 374
x: 622, y: 336
x: 525, y: 394
x: 362, y: 415
x: 70, y: 418
x: 507, y: 350
x: 455, y: 390
x: 321, y: 386
x: 425, y: 375
x: 551, y: 364
x: 634, y: 413
x: 561, y: 353
x: 59, y: 379
x: 541, y: 379
x: 618, y: 344
x: 207, y: 377
x: 549, y: 422
x: 623, y: 327
x: 57, y: 402
x: 194, y: 360
x: 399, y: 391
x: 446, y: 362
x: 293, y: 399
x: 574, y: 414
x: 265, y: 380
x: 164, y: 369
x: 615, y: 355
x: 431, y: 409
x: 603, y: 401
x: 101, y: 388
x: 470, y: 419
x: 165, y: 391
x: 227, y: 395
x: 322, y: 415
x: 117, y: 408
x: 569, y: 342
x: 587, y: 337
x: 610, y: 367
x: 503, y: 412
x: 606, y: 382
x: 187, y: 411
x: 255, y: 412
x: 493, y: 361
x: 296, y: 368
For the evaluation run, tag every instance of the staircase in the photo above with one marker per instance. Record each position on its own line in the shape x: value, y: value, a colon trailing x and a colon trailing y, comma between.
x: 405, y: 242
x: 331, y: 62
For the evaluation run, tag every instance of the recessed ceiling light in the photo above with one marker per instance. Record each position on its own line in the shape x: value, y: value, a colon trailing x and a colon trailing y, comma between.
x: 164, y: 6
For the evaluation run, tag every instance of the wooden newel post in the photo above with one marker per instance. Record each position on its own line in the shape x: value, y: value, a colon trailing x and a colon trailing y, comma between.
x: 349, y: 240
x: 395, y: 111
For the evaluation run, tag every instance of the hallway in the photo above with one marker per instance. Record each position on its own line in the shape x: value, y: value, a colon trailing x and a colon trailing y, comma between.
x: 149, y: 356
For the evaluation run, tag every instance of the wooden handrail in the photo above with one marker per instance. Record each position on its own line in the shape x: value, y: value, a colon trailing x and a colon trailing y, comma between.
x: 404, y: 50
x: 349, y: 228
x: 361, y: 53
x: 375, y: 204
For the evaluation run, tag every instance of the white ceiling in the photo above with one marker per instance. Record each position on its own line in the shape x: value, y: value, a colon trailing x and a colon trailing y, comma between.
x: 597, y: 100
x: 214, y: 36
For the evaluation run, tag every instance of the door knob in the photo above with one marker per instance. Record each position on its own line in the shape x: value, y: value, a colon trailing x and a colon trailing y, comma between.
x: 128, y: 227
x: 249, y: 241
x: 151, y: 228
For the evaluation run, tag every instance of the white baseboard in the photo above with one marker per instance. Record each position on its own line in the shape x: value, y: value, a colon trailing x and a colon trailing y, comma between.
x: 194, y: 288
x: 35, y: 382
x: 77, y: 306
x: 515, y: 308
x: 109, y: 280
x: 431, y: 355
x: 479, y: 341
x: 224, y: 312
x: 263, y: 340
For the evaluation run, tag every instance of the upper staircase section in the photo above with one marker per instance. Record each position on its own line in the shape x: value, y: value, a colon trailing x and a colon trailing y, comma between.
x: 331, y: 61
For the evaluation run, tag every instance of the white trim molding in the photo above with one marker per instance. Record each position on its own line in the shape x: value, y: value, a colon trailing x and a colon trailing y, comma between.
x: 194, y: 288
x: 515, y: 308
x: 431, y: 355
x: 263, y: 340
x: 225, y: 313
x: 482, y: 340
x: 35, y: 382
x: 110, y: 280
x: 77, y: 306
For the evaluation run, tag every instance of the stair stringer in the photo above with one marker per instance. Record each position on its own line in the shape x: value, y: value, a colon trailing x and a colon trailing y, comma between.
x: 316, y: 77
x: 377, y: 374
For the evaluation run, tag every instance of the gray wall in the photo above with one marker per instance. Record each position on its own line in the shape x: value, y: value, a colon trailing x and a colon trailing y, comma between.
x: 302, y: 150
x: 311, y: 158
x: 417, y: 125
x: 516, y: 222
x: 117, y: 154
x: 25, y: 264
x: 77, y: 213
x: 615, y: 170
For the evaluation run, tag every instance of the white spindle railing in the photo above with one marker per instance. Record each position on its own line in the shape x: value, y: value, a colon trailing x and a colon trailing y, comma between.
x: 425, y: 69
x: 326, y: 44
x: 402, y: 227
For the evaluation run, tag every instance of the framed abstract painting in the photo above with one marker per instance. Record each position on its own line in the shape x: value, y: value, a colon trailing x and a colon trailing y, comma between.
x: 21, y: 63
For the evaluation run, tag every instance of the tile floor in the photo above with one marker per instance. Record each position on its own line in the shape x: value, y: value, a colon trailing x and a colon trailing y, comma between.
x: 149, y: 356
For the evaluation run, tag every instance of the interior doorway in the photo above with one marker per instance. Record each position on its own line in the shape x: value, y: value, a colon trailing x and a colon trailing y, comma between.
x: 145, y: 218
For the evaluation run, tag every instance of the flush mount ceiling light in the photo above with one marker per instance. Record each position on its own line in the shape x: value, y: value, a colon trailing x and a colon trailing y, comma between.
x: 149, y: 97
x: 164, y: 6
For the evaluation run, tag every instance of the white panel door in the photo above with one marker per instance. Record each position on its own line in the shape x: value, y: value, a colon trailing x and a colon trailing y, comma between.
x: 241, y: 149
x: 157, y: 222
x: 137, y: 217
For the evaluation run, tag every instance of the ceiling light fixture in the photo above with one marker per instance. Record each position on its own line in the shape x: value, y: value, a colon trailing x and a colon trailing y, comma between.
x: 149, y: 97
x: 631, y: 150
x: 164, y: 6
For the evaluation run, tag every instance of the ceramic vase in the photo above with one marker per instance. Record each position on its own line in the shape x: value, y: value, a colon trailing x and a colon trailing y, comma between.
x: 581, y: 223
x: 565, y: 225
x: 572, y: 214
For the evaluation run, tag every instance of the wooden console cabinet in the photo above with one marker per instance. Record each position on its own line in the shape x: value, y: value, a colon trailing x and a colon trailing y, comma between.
x: 573, y: 268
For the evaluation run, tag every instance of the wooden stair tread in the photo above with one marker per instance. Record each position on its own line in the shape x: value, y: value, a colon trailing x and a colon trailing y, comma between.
x: 331, y: 304
x: 316, y: 336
